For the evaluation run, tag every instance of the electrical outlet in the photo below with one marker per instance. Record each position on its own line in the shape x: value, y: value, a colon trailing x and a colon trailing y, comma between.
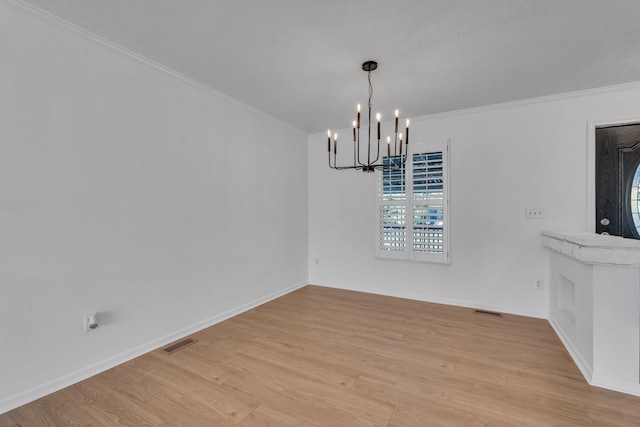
x: 534, y: 213
x: 539, y: 284
x: 90, y: 322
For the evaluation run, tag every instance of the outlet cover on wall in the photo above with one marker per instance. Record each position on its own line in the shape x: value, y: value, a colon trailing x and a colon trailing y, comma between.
x: 90, y: 322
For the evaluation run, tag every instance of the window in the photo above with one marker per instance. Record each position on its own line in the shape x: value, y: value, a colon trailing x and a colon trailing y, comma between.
x: 413, y: 206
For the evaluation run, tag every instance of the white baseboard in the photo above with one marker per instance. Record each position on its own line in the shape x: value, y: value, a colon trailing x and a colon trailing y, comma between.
x: 582, y: 365
x: 592, y: 379
x: 446, y: 301
x: 615, y: 385
x: 81, y: 374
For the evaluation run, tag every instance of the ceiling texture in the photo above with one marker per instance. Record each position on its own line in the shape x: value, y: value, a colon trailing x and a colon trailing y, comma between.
x: 300, y: 60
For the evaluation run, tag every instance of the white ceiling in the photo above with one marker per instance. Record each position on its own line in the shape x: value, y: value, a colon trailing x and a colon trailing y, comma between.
x: 300, y: 60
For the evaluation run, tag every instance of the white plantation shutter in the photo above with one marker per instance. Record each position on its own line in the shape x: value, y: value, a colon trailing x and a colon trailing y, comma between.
x: 392, y: 212
x: 429, y: 205
x: 413, y: 208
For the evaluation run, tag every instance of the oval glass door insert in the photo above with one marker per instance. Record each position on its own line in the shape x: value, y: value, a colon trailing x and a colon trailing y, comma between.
x: 635, y: 199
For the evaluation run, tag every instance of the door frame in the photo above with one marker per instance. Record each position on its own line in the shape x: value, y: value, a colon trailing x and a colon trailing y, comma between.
x: 592, y: 125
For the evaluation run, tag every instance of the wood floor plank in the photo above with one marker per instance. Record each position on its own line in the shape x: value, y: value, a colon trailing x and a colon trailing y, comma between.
x: 265, y: 416
x: 329, y: 357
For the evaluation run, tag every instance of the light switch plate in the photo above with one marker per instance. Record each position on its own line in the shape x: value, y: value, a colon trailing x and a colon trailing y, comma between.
x: 534, y: 213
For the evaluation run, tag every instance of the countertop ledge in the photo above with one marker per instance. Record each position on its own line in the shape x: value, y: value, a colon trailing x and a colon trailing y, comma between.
x: 592, y: 248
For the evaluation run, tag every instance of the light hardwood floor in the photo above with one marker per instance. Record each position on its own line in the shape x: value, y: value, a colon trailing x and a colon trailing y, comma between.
x: 327, y: 357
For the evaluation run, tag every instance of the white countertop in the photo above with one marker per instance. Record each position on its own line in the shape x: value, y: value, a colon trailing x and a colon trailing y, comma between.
x: 592, y: 248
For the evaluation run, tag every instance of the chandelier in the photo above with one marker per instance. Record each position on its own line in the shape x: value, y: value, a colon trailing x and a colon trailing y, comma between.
x: 365, y: 161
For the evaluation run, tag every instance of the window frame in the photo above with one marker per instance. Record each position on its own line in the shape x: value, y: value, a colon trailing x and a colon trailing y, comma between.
x: 408, y: 253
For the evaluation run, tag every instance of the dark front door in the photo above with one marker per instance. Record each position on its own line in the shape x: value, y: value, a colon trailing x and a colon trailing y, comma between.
x: 618, y: 181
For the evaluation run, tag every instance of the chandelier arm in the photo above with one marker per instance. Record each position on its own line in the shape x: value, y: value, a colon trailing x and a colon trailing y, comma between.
x: 335, y: 162
x: 402, y: 157
x: 354, y: 146
x: 375, y: 162
x: 405, y: 160
x: 335, y: 156
x: 357, y: 157
x: 348, y: 167
x: 395, y: 144
x: 358, y: 144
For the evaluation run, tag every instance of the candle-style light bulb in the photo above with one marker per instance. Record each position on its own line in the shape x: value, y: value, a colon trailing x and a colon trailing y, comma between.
x: 358, y: 116
x: 335, y: 143
x: 329, y: 140
x: 378, y: 116
x: 400, y: 138
x: 397, y: 112
x: 406, y: 140
x: 388, y: 146
x: 358, y: 108
x: 354, y: 130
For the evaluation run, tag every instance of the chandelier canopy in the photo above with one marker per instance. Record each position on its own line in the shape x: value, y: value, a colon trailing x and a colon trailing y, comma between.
x: 370, y: 160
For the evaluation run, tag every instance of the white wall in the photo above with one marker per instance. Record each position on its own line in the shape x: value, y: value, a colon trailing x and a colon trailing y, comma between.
x: 503, y: 159
x: 127, y: 190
